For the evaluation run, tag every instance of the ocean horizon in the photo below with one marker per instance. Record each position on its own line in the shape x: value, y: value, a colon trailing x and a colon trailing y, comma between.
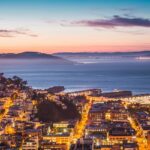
x: 107, y: 75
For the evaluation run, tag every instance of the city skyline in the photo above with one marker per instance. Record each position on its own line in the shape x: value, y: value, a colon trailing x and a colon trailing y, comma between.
x: 52, y: 26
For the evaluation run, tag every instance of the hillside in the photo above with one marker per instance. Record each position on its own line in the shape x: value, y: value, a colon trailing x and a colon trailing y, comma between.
x: 51, y: 112
x: 35, y: 56
x: 28, y: 55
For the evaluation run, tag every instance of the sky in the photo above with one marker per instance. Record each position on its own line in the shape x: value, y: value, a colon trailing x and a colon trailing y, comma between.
x: 52, y: 26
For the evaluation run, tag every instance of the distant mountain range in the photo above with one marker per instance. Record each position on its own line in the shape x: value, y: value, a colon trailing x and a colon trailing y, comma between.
x: 69, y: 57
x: 28, y: 55
x: 130, y: 54
x: 99, y: 57
x: 35, y: 55
x: 59, y: 55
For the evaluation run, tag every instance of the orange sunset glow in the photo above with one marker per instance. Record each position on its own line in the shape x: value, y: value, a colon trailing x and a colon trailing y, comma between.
x: 49, y: 28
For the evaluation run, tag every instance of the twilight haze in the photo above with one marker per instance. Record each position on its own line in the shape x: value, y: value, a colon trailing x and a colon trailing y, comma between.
x: 74, y: 25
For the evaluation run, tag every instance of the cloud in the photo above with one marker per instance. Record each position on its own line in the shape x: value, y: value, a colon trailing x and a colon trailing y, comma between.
x: 16, y: 32
x: 115, y: 21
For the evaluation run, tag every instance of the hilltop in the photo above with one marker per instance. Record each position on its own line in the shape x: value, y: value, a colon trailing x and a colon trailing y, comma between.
x: 28, y: 55
x: 35, y: 55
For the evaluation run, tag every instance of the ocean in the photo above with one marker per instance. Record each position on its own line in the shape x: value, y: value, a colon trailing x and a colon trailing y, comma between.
x: 107, y: 75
